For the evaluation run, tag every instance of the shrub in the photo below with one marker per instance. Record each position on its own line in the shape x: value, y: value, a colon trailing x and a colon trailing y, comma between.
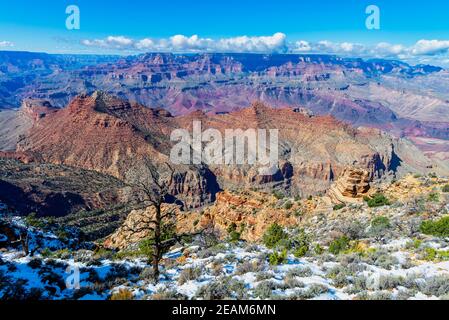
x: 102, y: 253
x: 278, y: 195
x: 318, y: 250
x: 438, y: 228
x: 292, y: 283
x: 389, y: 282
x: 297, y: 213
x: 341, y: 280
x: 274, y: 234
x: 51, y: 278
x: 146, y: 246
x: 189, y: 274
x: 339, y: 206
x: 379, y: 226
x: 62, y: 254
x: 431, y: 254
x: 433, y: 197
x: 122, y: 294
x: 315, y: 290
x: 436, y: 286
x: 264, y: 290
x: 168, y: 294
x: 234, y: 236
x: 35, y: 263
x: 46, y: 253
x: 446, y: 188
x: 339, y: 245
x: 277, y: 258
x: 13, y: 290
x: 263, y: 276
x: 118, y: 271
x: 147, y: 274
x: 300, y: 243
x: 378, y: 200
x: 247, y: 267
x: 222, y: 289
x: 301, y: 251
x: 380, y: 296
x: 33, y: 221
x: 300, y: 272
x: 381, y: 259
x: 288, y: 205
x: 354, y: 230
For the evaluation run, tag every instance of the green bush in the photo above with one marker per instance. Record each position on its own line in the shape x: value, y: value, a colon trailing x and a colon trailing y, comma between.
x: 446, y: 188
x: 301, y: 251
x: 33, y: 221
x: 278, y: 195
x: 277, y: 258
x: 378, y: 200
x: 433, y: 197
x: 339, y: 206
x: 300, y: 244
x: 232, y: 227
x: 274, y: 234
x: 339, y: 245
x: 288, y: 205
x: 146, y: 247
x: 318, y: 249
x: 234, y: 236
x: 438, y: 228
x: 298, y: 213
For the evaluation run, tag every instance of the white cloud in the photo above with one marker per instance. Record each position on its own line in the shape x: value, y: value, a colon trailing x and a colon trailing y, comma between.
x: 6, y: 44
x: 277, y: 43
x: 182, y: 43
x: 387, y: 49
x: 430, y: 47
x: 301, y: 46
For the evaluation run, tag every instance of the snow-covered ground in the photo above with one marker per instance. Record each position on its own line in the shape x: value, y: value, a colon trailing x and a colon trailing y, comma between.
x: 60, y: 267
x: 236, y: 271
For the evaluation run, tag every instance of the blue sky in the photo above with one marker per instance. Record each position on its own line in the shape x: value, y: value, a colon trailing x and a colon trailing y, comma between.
x: 312, y: 25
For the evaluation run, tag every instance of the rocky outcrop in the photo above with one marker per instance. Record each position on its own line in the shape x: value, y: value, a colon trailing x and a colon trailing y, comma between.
x: 350, y: 187
x: 251, y: 212
x: 137, y: 226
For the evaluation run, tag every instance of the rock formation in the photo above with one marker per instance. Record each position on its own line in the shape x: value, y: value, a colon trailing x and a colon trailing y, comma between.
x: 350, y: 187
x: 251, y: 212
x: 110, y: 135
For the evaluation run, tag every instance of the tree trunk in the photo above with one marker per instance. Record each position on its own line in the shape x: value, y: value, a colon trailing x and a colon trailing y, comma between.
x: 157, y: 244
x: 24, y: 242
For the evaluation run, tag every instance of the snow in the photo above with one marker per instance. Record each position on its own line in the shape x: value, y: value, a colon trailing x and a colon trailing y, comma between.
x: 230, y: 257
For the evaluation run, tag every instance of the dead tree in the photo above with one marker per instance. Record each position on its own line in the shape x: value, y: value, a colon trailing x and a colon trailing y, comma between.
x: 152, y: 189
x: 23, y: 241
